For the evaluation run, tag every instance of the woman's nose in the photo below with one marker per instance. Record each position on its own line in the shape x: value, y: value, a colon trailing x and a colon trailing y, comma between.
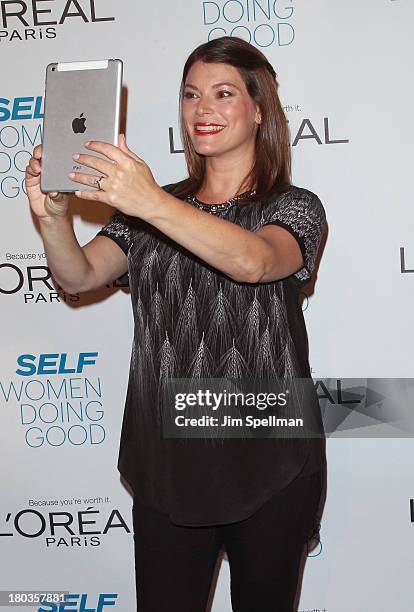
x: 204, y: 106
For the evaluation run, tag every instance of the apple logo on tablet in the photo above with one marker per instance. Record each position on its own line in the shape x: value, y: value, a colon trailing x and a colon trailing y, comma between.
x: 78, y: 124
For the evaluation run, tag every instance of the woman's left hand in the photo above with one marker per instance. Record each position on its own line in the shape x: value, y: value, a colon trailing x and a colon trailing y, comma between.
x: 127, y: 182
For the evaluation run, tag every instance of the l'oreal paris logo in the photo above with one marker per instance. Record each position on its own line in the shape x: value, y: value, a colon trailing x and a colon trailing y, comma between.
x: 35, y: 20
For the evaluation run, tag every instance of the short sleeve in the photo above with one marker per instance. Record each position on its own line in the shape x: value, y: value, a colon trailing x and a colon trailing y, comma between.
x: 120, y: 227
x: 119, y: 230
x: 302, y: 214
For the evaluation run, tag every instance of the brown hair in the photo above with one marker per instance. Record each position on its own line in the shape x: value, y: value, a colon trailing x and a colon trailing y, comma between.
x: 272, y: 166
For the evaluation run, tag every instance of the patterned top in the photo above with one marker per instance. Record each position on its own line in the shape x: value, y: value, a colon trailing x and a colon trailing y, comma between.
x: 193, y: 321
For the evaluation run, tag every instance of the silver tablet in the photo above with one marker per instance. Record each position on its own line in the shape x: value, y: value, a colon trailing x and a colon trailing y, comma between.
x: 82, y: 102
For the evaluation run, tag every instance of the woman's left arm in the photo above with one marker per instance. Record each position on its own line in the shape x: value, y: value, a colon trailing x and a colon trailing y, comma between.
x: 269, y: 254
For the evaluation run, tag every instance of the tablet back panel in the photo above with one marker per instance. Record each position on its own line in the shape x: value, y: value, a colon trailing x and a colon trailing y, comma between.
x: 82, y: 102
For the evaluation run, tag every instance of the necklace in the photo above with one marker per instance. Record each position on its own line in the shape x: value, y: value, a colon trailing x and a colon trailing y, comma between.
x: 214, y: 208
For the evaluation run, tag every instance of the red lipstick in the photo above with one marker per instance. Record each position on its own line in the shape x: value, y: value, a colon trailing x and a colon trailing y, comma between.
x: 200, y: 128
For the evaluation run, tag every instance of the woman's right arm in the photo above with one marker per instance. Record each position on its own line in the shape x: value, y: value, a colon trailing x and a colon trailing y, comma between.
x: 75, y: 268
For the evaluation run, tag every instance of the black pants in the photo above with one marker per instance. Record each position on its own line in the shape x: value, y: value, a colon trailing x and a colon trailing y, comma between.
x: 174, y: 564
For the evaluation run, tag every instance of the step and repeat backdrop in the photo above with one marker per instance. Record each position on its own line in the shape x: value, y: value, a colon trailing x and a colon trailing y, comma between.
x: 345, y: 73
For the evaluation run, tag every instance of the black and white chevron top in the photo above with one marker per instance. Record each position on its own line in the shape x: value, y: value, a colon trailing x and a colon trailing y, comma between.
x: 192, y: 321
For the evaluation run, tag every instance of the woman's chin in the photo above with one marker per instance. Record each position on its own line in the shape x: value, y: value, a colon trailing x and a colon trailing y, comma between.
x: 207, y: 150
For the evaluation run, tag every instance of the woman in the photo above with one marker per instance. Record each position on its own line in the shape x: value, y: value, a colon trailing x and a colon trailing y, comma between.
x: 215, y: 264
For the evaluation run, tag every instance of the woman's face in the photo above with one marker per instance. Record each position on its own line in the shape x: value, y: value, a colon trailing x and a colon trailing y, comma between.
x: 219, y: 114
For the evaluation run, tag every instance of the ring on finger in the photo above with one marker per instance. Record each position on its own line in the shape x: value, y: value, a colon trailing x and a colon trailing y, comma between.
x: 97, y: 181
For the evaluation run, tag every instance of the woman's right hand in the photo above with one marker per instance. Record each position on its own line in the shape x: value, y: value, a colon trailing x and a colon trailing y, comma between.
x: 44, y: 205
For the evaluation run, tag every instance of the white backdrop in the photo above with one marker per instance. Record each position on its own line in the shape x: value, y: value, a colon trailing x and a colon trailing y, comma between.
x: 345, y: 72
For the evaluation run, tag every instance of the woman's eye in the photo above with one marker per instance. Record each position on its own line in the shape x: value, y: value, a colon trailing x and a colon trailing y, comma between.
x: 223, y: 93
